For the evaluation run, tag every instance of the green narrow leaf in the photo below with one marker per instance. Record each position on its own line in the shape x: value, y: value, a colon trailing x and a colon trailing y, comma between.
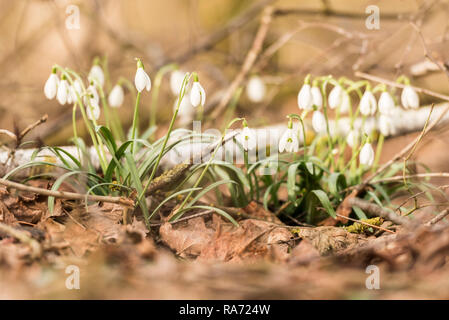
x: 324, y: 199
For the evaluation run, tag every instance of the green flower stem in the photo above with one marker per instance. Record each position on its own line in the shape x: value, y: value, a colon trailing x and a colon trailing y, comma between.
x: 329, y: 138
x: 200, y: 178
x: 155, y: 96
x: 93, y: 136
x: 380, y: 143
x: 300, y: 118
x: 135, y: 123
x: 167, y: 136
x: 75, y: 131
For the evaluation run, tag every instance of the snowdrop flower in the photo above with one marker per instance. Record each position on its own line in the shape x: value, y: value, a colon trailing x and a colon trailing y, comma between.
x: 409, y: 98
x: 116, y: 96
x: 255, y: 90
x: 318, y: 122
x: 289, y: 141
x: 96, y: 74
x: 176, y: 79
x: 345, y: 102
x: 386, y: 126
x: 92, y: 94
x: 141, y: 80
x: 352, y: 139
x: 335, y: 97
x: 63, y: 91
x: 305, y: 98
x: 247, y: 137
x: 51, y: 85
x: 93, y: 110
x: 368, y: 104
x: 197, y: 95
x: 386, y: 103
x: 186, y: 110
x: 317, y: 97
x: 366, y: 156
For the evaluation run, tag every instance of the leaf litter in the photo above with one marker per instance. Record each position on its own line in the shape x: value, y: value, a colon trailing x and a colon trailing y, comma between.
x: 207, y: 256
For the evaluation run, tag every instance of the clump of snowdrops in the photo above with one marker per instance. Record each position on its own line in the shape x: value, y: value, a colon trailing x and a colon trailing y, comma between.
x: 312, y: 166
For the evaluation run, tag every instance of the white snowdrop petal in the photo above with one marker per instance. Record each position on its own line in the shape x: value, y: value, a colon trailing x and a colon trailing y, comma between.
x: 305, y: 99
x: 176, y: 79
x: 318, y: 122
x: 116, y: 96
x: 289, y: 141
x: 368, y: 104
x: 366, y: 156
x: 255, y: 89
x: 386, y: 103
x: 197, y: 95
x: 317, y: 98
x: 248, y: 139
x: 51, y: 86
x: 142, y: 80
x: 96, y: 74
x: 335, y: 97
x: 93, y: 111
x: 63, y: 92
x: 352, y: 139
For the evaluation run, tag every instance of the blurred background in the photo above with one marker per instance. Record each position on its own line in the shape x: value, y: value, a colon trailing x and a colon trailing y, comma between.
x: 211, y: 37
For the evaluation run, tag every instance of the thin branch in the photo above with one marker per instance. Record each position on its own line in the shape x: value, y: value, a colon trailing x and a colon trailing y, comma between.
x: 400, y: 85
x: 438, y: 218
x: 36, y: 249
x: 377, y: 211
x: 66, y: 195
x: 249, y: 60
x: 365, y: 223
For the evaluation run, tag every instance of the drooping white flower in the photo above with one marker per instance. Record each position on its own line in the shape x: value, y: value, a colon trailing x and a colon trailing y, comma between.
x: 318, y: 122
x: 186, y: 110
x: 247, y: 138
x: 77, y: 89
x: 142, y: 80
x: 366, y: 156
x: 335, y: 97
x: 92, y: 94
x: 255, y: 89
x: 51, y: 86
x: 116, y: 96
x: 352, y: 139
x: 176, y: 79
x: 386, y: 103
x: 96, y: 74
x: 368, y: 104
x: 289, y: 141
x: 93, y: 110
x: 305, y: 98
x: 63, y: 91
x: 409, y: 98
x: 197, y: 95
x: 386, y: 126
x: 345, y: 102
x: 317, y: 97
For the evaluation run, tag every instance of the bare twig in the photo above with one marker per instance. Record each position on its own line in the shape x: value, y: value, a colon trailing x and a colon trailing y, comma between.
x: 36, y: 249
x: 66, y: 195
x: 25, y: 131
x: 249, y: 60
x: 365, y: 223
x: 438, y: 218
x: 400, y: 85
x: 377, y: 211
x: 427, y: 53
